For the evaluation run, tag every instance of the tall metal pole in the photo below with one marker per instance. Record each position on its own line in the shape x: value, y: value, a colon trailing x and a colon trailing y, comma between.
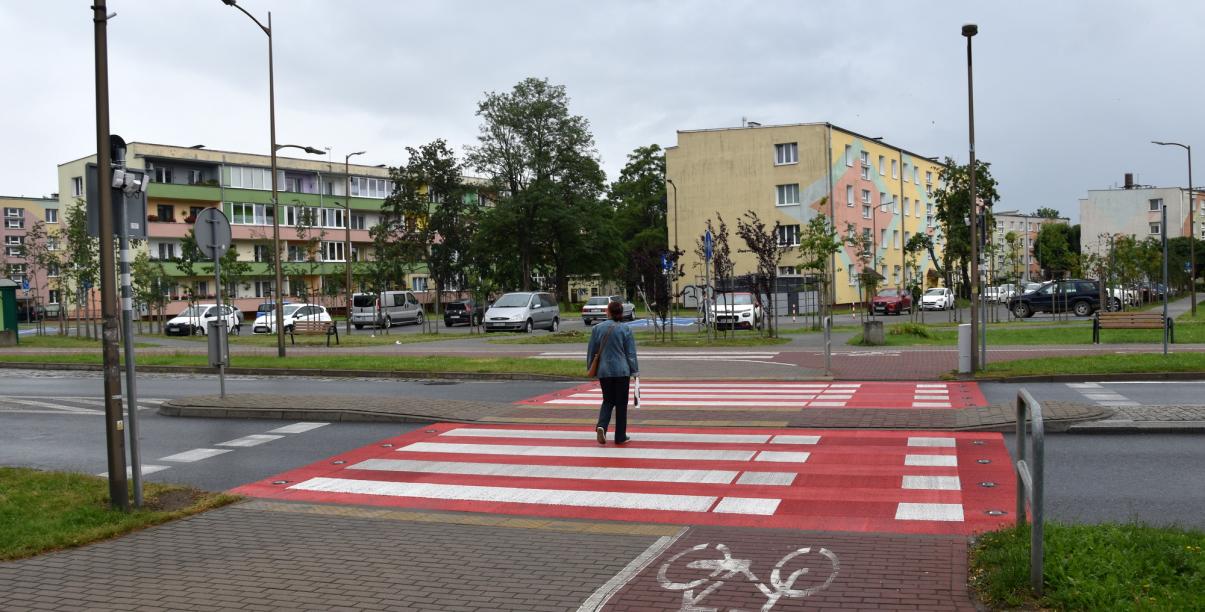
x: 1192, y: 232
x: 970, y: 30
x: 1163, y: 231
x: 114, y: 425
x: 675, y: 271
x: 127, y: 337
x: 347, y: 233
x: 280, y: 283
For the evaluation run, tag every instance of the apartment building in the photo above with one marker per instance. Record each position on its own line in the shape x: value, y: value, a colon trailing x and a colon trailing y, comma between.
x: 318, y: 201
x: 791, y: 174
x: 1135, y: 210
x: 1025, y: 227
x: 20, y: 215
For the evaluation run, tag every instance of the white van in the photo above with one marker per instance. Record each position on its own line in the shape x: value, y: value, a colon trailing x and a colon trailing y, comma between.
x: 385, y: 309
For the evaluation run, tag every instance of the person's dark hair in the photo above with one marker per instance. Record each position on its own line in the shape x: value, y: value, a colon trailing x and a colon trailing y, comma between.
x: 615, y: 311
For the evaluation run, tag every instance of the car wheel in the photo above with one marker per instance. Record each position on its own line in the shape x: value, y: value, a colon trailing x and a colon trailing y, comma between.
x: 420, y: 318
x: 528, y: 327
x: 587, y: 322
x: 1114, y: 305
x: 556, y: 325
x: 388, y: 322
x: 1082, y: 309
x: 358, y: 326
x: 1022, y: 311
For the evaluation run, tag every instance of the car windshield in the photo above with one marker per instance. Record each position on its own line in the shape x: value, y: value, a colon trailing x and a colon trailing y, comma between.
x: 935, y: 292
x: 363, y: 300
x: 291, y: 308
x: 739, y: 299
x: 598, y: 301
x: 513, y: 300
x: 457, y: 306
x: 888, y: 294
x: 194, y: 311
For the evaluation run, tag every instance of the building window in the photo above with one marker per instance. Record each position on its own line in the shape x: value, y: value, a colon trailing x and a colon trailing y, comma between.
x: 167, y: 250
x: 1155, y: 229
x: 14, y: 251
x: 52, y: 296
x: 905, y: 167
x: 52, y: 244
x: 332, y: 251
x: 53, y: 269
x: 357, y: 221
x: 915, y: 175
x: 895, y: 205
x: 787, y: 153
x: 165, y: 213
x: 263, y: 289
x: 849, y: 195
x: 14, y: 240
x: 52, y: 215
x: 365, y: 187
x: 194, y: 177
x: 882, y: 165
x: 11, y: 213
x: 261, y: 253
x: 907, y: 237
x: 419, y: 283
x: 866, y: 236
x: 788, y: 270
x: 161, y: 175
x: 849, y: 155
x: 895, y: 239
x: 14, y: 223
x: 247, y: 178
x: 907, y: 206
x: 865, y: 165
x: 895, y: 168
x: 77, y: 186
x: 852, y: 277
x: 883, y: 238
x: 332, y: 217
x: 788, y: 235
x: 866, y: 197
x: 865, y: 211
x: 247, y: 214
x: 1156, y: 205
x: 788, y: 194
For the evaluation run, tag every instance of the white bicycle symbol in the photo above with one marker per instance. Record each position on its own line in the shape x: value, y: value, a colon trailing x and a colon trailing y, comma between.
x: 728, y: 567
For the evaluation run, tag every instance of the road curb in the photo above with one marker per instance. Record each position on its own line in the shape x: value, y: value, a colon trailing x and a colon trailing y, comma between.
x: 170, y: 408
x: 1072, y: 378
x: 309, y: 372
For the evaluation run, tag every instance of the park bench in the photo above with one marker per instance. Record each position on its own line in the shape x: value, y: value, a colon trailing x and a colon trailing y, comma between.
x: 313, y: 328
x: 1131, y: 320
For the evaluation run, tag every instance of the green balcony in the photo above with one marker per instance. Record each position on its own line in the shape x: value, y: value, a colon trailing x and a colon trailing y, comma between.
x: 204, y: 193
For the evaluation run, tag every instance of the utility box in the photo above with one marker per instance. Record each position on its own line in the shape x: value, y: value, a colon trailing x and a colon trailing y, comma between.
x: 964, y: 348
x: 9, y: 334
x: 219, y: 344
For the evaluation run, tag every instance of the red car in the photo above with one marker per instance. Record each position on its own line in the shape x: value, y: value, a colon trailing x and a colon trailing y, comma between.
x: 892, y: 301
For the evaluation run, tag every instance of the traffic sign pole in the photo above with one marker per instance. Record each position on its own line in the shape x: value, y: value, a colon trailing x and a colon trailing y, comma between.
x: 212, y: 233
x: 127, y: 337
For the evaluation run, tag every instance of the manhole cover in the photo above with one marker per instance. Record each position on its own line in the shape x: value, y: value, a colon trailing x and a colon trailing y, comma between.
x: 280, y: 482
x: 996, y: 513
x: 988, y: 484
x: 985, y: 461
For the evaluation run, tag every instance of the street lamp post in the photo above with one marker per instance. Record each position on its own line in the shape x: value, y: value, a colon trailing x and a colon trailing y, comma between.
x: 675, y: 271
x: 1192, y: 232
x: 347, y: 234
x: 279, y: 274
x: 970, y: 30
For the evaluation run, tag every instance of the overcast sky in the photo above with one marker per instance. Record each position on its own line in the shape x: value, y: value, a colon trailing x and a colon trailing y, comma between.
x: 1067, y: 94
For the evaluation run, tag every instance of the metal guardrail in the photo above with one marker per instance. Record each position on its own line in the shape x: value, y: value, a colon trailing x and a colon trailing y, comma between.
x: 1029, y: 480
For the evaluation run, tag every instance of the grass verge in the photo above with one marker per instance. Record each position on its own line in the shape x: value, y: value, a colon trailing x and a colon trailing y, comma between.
x: 645, y: 338
x: 1093, y: 567
x: 56, y: 341
x: 45, y: 511
x: 1112, y: 363
x: 1008, y: 335
x: 374, y: 339
x: 376, y: 363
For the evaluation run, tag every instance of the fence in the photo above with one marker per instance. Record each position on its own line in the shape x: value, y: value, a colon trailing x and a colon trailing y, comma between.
x: 1029, y: 480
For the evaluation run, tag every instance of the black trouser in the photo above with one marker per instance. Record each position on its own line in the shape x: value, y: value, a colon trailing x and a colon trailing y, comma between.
x: 615, y: 396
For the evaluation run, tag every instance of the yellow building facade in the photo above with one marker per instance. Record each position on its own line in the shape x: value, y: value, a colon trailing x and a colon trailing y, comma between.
x: 792, y: 173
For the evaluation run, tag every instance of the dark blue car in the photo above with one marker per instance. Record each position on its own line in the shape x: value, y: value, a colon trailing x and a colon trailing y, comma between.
x: 1079, y: 296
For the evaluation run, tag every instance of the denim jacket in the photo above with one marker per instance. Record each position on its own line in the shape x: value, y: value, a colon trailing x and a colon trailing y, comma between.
x: 618, y: 356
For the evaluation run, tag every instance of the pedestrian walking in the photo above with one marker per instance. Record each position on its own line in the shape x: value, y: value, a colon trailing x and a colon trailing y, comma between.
x: 611, y: 356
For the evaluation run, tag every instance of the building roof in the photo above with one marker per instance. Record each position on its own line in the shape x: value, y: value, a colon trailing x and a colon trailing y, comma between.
x: 813, y: 124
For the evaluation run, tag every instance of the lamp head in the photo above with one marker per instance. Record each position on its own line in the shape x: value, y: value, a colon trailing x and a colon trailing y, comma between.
x: 230, y: 2
x: 968, y: 30
x: 313, y: 151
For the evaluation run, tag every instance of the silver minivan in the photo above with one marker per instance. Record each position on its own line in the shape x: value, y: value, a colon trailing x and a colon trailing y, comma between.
x: 385, y: 309
x: 523, y: 311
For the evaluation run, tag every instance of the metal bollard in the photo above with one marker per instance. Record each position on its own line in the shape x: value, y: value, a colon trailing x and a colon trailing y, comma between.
x: 964, y: 348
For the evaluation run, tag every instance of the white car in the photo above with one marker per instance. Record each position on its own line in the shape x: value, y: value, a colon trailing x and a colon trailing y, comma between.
x: 736, y: 310
x: 1119, y: 296
x: 195, y: 320
x: 937, y: 298
x: 266, y: 322
x: 595, y: 308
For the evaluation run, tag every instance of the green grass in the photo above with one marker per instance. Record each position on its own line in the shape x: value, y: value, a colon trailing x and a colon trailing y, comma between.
x: 1110, y: 363
x: 376, y: 363
x: 1007, y: 335
x: 56, y: 341
x: 45, y: 511
x: 1093, y: 567
x: 646, y: 338
x: 374, y: 339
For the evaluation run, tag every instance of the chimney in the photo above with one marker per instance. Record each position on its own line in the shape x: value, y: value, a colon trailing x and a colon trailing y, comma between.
x: 1129, y: 180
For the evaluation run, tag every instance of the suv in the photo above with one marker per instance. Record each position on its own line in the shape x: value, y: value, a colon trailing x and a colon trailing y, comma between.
x: 468, y: 312
x: 1079, y: 296
x: 523, y: 311
x: 737, y: 310
x: 892, y: 301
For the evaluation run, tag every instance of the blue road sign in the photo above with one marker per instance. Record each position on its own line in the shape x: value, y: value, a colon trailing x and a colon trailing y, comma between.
x: 87, y: 284
x: 25, y: 285
x: 1188, y: 266
x: 666, y: 264
x: 707, y: 242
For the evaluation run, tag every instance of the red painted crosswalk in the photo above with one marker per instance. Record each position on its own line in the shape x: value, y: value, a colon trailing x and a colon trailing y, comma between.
x: 778, y: 395
x: 881, y: 481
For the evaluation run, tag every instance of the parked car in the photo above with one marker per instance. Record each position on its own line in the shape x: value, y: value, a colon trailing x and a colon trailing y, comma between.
x: 1031, y: 287
x: 1004, y: 293
x: 937, y: 298
x: 892, y: 301
x: 195, y: 320
x: 737, y: 310
x: 385, y: 308
x: 266, y: 323
x: 595, y: 308
x: 1073, y: 295
x: 990, y: 294
x: 1121, y: 296
x: 267, y: 307
x: 523, y: 311
x: 468, y: 312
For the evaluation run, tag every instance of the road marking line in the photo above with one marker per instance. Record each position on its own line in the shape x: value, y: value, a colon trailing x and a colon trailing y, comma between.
x: 747, y: 505
x: 250, y: 440
x: 652, y: 395
x: 931, y: 405
x: 826, y: 404
x: 928, y: 512
x: 600, y: 597
x: 563, y: 434
x: 1119, y: 403
x: 931, y: 460
x: 514, y: 495
x: 923, y: 385
x: 55, y: 407
x: 548, y: 471
x: 147, y: 468
x: 578, y: 451
x: 297, y: 428
x: 789, y: 439
x: 783, y: 457
x: 932, y: 483
x: 780, y: 479
x: 644, y: 402
x: 923, y: 441
x: 1084, y: 385
x: 195, y: 454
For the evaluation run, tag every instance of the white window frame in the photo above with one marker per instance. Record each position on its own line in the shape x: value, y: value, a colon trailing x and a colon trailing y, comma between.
x: 785, y: 193
x: 53, y: 296
x: 77, y: 186
x: 333, y: 251
x: 1155, y: 228
x: 895, y: 239
x: 866, y: 211
x: 786, y: 153
x: 1155, y: 204
x: 883, y: 202
x: 14, y: 223
x: 907, y: 206
x: 882, y: 165
x: 14, y: 240
x: 788, y: 235
x: 14, y: 213
x: 849, y: 196
x: 849, y: 158
x: 895, y: 168
x: 866, y: 197
x: 52, y: 215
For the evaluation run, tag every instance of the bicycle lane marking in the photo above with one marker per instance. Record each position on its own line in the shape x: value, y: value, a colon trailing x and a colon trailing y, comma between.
x: 723, y: 568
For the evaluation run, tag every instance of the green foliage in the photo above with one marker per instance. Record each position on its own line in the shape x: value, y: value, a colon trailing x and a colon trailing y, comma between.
x: 1057, y: 248
x: 762, y: 241
x: 954, y: 206
x: 1093, y: 567
x: 639, y: 202
x: 910, y: 329
x: 1046, y: 212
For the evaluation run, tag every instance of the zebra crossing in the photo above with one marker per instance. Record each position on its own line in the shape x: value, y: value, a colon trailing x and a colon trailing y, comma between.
x: 836, y: 480
x: 76, y: 405
x: 667, y: 355
x: 775, y: 395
